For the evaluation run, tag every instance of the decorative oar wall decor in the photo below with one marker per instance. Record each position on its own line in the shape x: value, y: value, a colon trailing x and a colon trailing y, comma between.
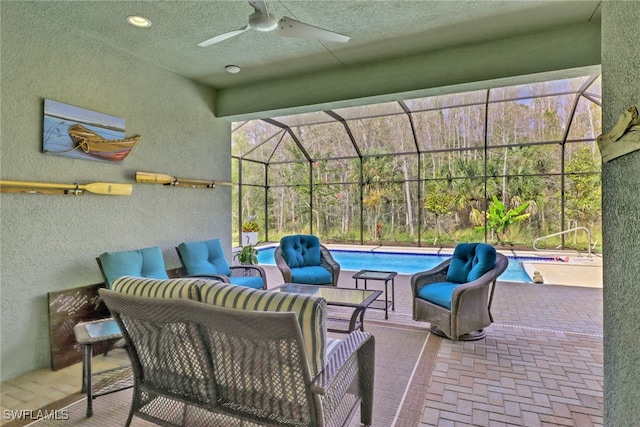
x: 109, y: 188
x: 159, y: 178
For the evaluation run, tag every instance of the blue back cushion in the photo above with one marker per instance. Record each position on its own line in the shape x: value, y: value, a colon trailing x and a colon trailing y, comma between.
x: 483, y: 261
x: 147, y: 262
x: 204, y: 257
x: 470, y: 261
x: 300, y: 250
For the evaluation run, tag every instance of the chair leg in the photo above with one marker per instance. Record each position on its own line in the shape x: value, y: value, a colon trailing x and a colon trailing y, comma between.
x: 366, y: 362
x: 470, y: 336
x: 473, y: 335
x: 434, y: 329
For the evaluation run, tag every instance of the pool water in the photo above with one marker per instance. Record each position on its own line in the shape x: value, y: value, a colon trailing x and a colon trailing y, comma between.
x: 405, y: 263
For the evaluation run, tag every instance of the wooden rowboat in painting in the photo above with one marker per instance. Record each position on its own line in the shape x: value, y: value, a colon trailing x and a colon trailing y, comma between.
x: 79, y: 133
x: 114, y: 150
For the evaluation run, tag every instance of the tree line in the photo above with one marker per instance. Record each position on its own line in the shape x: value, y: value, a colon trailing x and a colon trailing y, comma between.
x: 382, y: 175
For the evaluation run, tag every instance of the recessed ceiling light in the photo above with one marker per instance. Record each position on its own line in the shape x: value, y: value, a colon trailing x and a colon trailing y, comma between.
x: 138, y: 21
x: 233, y: 69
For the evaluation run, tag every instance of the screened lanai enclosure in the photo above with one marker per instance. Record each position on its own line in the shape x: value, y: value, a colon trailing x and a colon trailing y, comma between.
x: 502, y: 165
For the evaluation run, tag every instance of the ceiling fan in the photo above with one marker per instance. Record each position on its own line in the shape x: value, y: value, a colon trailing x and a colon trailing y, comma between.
x: 261, y: 20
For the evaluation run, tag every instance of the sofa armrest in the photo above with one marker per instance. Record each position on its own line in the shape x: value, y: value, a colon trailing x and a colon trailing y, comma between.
x: 354, y: 356
x: 282, y: 265
x: 327, y: 261
x: 357, y: 344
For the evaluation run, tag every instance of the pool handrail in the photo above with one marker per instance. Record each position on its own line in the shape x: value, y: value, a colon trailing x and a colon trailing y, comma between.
x: 565, y: 232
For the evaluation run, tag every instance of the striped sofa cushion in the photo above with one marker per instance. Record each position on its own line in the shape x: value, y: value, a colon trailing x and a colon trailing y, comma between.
x: 159, y: 288
x: 311, y: 312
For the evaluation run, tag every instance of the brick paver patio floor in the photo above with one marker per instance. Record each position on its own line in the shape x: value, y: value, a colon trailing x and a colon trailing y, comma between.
x: 540, y: 364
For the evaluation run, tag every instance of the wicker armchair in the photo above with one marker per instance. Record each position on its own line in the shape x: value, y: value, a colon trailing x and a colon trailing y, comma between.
x: 302, y: 259
x: 146, y: 262
x: 456, y: 308
x: 206, y: 259
x: 196, y: 364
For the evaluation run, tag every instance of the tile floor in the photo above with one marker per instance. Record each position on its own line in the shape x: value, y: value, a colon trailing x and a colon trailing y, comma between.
x: 540, y: 365
x: 43, y: 386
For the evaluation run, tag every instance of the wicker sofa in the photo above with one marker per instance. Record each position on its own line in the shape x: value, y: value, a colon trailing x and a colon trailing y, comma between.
x: 210, y: 353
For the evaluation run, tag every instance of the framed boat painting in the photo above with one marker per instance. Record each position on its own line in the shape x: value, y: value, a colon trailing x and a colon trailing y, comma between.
x: 76, y: 132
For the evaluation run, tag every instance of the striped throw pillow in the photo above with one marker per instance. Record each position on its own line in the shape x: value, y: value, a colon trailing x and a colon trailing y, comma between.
x: 311, y: 312
x: 159, y: 288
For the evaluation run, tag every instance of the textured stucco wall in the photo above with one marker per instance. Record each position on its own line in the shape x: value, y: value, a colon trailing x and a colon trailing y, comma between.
x: 620, y: 218
x: 49, y: 242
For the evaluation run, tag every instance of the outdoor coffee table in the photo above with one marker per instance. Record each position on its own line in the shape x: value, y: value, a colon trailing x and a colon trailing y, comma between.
x: 385, y: 276
x: 358, y: 299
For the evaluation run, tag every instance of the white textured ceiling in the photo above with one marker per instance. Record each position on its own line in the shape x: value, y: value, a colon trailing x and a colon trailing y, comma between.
x: 379, y: 30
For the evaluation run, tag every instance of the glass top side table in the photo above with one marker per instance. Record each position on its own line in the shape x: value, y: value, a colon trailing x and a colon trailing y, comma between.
x: 107, y: 381
x: 386, y: 277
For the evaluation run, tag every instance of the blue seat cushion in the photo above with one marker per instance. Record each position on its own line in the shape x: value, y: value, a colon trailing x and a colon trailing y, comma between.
x: 206, y: 257
x: 312, y: 275
x: 254, y: 282
x: 438, y: 293
x: 470, y: 261
x: 146, y: 262
x: 300, y: 250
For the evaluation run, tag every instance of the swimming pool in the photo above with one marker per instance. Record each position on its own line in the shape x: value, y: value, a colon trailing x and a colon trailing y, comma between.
x: 405, y: 263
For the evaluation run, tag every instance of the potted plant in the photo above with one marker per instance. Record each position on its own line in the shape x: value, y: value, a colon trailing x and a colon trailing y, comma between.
x: 250, y: 229
x: 248, y: 255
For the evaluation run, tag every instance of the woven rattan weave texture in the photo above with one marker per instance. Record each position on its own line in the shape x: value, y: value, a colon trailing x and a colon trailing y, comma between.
x: 201, y: 365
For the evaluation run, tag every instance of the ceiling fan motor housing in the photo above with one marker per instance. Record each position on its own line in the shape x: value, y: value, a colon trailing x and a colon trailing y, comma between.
x: 261, y: 22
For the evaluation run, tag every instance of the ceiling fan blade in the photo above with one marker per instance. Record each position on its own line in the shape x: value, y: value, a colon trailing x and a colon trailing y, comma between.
x: 260, y: 6
x: 221, y: 37
x: 289, y: 27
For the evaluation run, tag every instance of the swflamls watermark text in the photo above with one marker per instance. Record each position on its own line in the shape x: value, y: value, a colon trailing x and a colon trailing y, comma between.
x: 38, y: 414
